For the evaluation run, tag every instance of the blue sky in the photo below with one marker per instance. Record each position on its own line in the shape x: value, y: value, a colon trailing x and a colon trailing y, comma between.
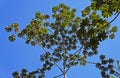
x: 18, y: 55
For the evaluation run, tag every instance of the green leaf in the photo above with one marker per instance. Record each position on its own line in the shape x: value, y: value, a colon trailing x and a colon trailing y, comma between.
x: 86, y: 11
x: 43, y: 30
x: 83, y: 61
x: 33, y: 43
x: 15, y: 25
x: 55, y: 8
x: 112, y: 36
x: 8, y: 29
x: 73, y: 10
x: 114, y: 29
x: 37, y: 14
x: 12, y: 38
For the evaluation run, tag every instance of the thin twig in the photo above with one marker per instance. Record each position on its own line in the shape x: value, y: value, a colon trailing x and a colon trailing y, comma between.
x: 80, y: 49
x: 43, y: 49
x: 90, y: 62
x: 74, y: 54
x: 50, y: 30
x: 114, y: 18
x: 55, y: 62
x: 58, y: 67
x: 58, y: 76
x: 110, y: 21
x: 64, y: 63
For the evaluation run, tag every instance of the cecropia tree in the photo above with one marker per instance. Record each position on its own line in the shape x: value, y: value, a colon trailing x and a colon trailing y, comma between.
x: 69, y: 39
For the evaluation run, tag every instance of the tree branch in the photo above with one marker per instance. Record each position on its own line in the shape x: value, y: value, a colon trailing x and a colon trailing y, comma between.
x: 111, y: 21
x: 114, y: 18
x: 64, y: 63
x: 58, y: 67
x: 78, y: 51
x: 90, y: 62
x: 58, y: 76
x: 50, y: 31
x: 55, y: 63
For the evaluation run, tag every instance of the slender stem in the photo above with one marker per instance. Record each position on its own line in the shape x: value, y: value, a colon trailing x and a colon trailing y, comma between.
x: 58, y: 76
x: 64, y: 64
x: 90, y: 62
x: 55, y: 63
x: 111, y: 21
x: 43, y: 49
x: 50, y: 31
x: 114, y: 18
x: 78, y: 51
x: 58, y: 67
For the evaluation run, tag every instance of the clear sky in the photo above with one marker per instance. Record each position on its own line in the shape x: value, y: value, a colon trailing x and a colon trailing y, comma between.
x: 18, y: 55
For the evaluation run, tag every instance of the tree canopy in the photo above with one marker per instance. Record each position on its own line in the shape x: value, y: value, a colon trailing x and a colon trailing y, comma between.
x: 70, y: 39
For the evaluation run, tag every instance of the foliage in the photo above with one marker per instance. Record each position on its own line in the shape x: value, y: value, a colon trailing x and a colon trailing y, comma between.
x: 69, y: 39
x: 117, y: 70
x: 106, y: 66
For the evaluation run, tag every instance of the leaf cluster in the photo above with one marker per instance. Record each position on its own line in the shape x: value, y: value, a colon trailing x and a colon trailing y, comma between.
x: 24, y: 74
x: 106, y: 66
x: 107, y: 7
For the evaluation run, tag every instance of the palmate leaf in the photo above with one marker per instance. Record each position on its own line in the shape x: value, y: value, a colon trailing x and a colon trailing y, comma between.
x: 94, y: 16
x: 11, y: 27
x: 112, y: 36
x: 15, y: 25
x: 106, y: 14
x: 114, y: 29
x: 44, y: 30
x: 8, y: 29
x: 82, y: 60
x: 37, y: 15
x: 12, y: 38
x: 86, y: 11
x: 109, y: 6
